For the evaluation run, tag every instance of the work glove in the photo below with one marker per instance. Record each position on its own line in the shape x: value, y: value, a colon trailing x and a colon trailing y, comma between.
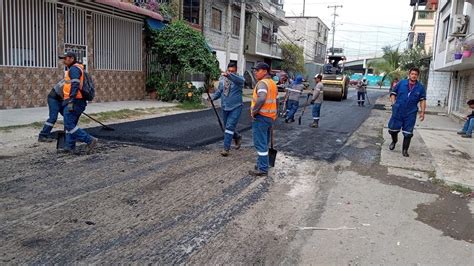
x: 312, y: 102
x: 70, y: 107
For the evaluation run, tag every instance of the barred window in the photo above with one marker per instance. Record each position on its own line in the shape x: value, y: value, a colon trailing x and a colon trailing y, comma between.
x: 117, y: 43
x: 236, y: 25
x: 28, y: 37
x: 216, y: 17
x: 265, y: 34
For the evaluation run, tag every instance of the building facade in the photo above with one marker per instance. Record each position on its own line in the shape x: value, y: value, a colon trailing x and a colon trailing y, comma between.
x: 310, y: 33
x: 453, y: 46
x: 107, y: 38
x: 262, y: 24
x: 423, y: 25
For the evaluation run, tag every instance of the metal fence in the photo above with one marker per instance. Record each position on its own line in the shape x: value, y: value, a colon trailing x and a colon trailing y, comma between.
x: 28, y: 33
x: 117, y: 43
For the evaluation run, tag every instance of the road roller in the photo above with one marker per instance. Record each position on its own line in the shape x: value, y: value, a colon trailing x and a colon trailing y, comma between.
x: 336, y: 84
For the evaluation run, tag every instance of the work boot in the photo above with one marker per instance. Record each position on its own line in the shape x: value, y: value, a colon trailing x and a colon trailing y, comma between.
x: 292, y: 120
x: 91, y: 145
x: 466, y: 136
x: 238, y: 142
x: 394, y: 141
x: 225, y: 153
x: 257, y: 173
x: 45, y: 139
x: 315, y: 124
x: 406, y: 145
x: 461, y: 132
x: 286, y: 120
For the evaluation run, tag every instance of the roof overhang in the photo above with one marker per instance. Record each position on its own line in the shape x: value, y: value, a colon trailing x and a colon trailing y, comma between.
x: 131, y: 8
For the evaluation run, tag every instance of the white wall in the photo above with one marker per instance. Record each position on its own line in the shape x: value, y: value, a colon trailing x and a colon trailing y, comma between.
x: 221, y: 58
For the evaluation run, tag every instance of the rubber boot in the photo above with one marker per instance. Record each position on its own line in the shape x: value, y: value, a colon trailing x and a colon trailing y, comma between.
x: 406, y: 145
x: 394, y: 140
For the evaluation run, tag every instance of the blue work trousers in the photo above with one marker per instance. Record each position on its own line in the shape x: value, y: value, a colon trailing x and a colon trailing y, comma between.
x: 468, y: 127
x: 316, y: 111
x: 55, y: 107
x: 360, y: 97
x: 73, y: 132
x: 231, y: 119
x: 261, y: 136
x: 291, y: 108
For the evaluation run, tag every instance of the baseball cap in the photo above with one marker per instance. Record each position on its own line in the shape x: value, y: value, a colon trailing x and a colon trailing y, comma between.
x: 261, y: 65
x: 68, y: 54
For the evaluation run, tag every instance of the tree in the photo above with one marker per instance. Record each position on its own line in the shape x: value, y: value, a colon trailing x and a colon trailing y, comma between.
x: 292, y: 57
x: 179, y: 50
x: 416, y: 57
x: 388, y: 65
x: 183, y: 49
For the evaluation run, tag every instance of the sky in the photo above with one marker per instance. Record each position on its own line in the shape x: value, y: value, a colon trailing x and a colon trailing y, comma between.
x: 363, y: 27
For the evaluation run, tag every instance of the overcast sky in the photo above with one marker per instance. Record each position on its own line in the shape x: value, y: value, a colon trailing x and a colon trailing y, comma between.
x: 367, y: 25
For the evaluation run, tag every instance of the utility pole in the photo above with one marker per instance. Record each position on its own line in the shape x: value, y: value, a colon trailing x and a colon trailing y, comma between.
x: 241, y: 63
x: 229, y: 32
x: 334, y: 25
x: 304, y: 6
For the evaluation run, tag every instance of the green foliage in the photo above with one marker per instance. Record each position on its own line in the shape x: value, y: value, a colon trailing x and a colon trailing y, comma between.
x: 183, y: 49
x: 416, y: 57
x: 293, y: 58
x: 388, y: 65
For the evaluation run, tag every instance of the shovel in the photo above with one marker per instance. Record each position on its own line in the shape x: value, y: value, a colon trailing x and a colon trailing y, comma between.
x: 60, y: 141
x: 97, y: 121
x: 215, y: 111
x: 272, y: 153
x: 304, y: 108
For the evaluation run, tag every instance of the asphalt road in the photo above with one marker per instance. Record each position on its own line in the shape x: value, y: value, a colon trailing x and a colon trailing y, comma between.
x: 197, y: 129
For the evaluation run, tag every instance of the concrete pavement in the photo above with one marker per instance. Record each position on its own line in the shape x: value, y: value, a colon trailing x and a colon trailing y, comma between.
x: 436, y: 151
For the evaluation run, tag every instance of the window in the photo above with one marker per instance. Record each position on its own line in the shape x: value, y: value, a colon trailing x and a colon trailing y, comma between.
x: 191, y: 10
x: 425, y: 15
x: 446, y: 29
x: 420, y: 39
x: 216, y: 17
x: 265, y: 34
x: 28, y: 33
x: 117, y: 43
x: 235, y: 26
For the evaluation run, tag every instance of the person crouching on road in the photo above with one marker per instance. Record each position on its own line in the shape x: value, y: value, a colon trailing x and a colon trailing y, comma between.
x: 263, y: 111
x: 230, y: 91
x: 405, y: 98
x: 55, y: 101
x: 317, y: 100
x: 361, y: 91
x: 294, y: 92
x: 466, y: 131
x: 74, y: 104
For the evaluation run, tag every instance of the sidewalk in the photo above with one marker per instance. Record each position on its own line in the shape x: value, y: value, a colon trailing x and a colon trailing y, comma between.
x: 436, y: 150
x: 25, y: 116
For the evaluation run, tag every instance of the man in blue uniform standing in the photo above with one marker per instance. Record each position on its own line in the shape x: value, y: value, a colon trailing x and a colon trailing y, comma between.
x: 230, y: 91
x: 405, y: 98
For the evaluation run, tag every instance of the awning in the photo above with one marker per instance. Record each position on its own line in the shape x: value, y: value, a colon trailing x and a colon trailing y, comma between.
x: 131, y: 8
x: 155, y: 24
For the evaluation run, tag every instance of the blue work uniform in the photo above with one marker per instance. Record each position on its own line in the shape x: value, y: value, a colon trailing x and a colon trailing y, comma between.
x: 230, y: 92
x: 406, y: 107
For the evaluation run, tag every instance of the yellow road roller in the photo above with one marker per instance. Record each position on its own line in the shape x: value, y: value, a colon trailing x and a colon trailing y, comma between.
x: 336, y: 84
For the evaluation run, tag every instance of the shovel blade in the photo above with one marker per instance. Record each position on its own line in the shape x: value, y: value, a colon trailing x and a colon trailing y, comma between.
x: 272, y: 154
x: 61, y: 140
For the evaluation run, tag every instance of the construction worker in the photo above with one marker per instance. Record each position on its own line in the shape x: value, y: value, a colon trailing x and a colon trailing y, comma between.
x: 405, y: 98
x: 293, y: 95
x: 55, y: 101
x: 74, y: 104
x: 230, y: 91
x: 361, y: 91
x: 263, y: 111
x: 317, y: 100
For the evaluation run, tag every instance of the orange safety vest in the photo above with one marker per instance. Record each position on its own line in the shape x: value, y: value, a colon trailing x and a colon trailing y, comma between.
x: 269, y: 108
x: 68, y: 81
